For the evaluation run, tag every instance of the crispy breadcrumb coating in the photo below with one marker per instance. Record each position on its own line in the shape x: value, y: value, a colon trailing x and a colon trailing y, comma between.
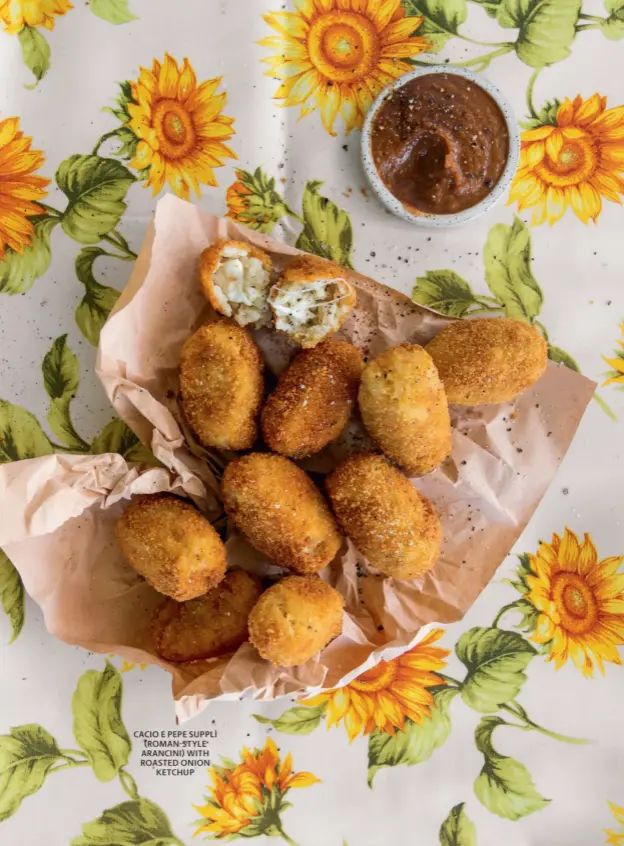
x: 222, y: 387
x: 294, y: 619
x: 488, y: 360
x: 404, y: 408
x: 171, y: 545
x: 211, y: 625
x: 313, y: 400
x: 280, y: 511
x: 388, y: 520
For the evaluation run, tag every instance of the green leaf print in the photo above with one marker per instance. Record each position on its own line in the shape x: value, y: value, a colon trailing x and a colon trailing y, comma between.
x: 445, y: 291
x: 113, y: 11
x: 254, y: 201
x: 98, y: 301
x: 327, y: 228
x: 18, y: 272
x: 21, y: 436
x: 547, y: 28
x: 116, y: 436
x: 95, y: 188
x: 442, y: 19
x: 495, y: 661
x: 26, y: 756
x: 507, y: 259
x: 60, y: 379
x: 136, y: 823
x: 490, y: 6
x: 301, y: 719
x: 613, y: 26
x: 504, y: 785
x: 416, y: 743
x: 11, y: 594
x: 457, y: 829
x: 560, y: 356
x: 98, y: 727
x: 35, y: 53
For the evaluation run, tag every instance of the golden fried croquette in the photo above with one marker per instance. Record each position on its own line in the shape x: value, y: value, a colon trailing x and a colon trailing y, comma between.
x: 392, y: 525
x: 210, y: 625
x: 311, y: 299
x: 404, y: 408
x: 294, y: 619
x: 222, y: 387
x: 489, y: 360
x: 171, y: 545
x: 313, y: 400
x: 235, y: 278
x: 280, y: 511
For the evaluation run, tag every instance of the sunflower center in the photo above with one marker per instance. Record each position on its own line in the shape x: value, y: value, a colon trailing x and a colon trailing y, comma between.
x: 575, y: 163
x: 175, y: 130
x: 576, y: 603
x: 343, y: 46
x: 379, y: 678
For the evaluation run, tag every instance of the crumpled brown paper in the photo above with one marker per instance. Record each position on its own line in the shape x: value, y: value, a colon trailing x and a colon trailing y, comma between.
x: 59, y: 529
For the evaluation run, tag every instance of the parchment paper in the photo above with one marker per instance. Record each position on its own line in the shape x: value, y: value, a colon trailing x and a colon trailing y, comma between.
x: 58, y: 529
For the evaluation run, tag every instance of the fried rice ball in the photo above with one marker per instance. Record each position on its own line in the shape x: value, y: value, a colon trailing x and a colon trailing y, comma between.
x: 171, y: 545
x: 222, y: 386
x: 311, y: 300
x: 488, y: 360
x: 404, y: 408
x: 280, y: 511
x: 394, y: 526
x: 294, y: 619
x: 235, y: 278
x: 208, y: 626
x: 313, y: 400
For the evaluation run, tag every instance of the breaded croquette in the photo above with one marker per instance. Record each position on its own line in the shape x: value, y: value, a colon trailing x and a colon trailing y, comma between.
x: 313, y: 400
x: 389, y: 521
x: 294, y: 619
x: 311, y: 300
x: 171, y: 545
x: 280, y: 511
x: 404, y: 408
x: 488, y: 360
x: 235, y: 278
x: 210, y: 625
x: 222, y: 387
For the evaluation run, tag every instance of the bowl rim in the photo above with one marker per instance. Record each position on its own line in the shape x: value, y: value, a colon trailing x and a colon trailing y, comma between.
x: 425, y: 219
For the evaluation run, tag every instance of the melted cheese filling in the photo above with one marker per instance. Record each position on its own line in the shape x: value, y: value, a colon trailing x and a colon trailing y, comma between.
x: 313, y: 310
x: 240, y: 287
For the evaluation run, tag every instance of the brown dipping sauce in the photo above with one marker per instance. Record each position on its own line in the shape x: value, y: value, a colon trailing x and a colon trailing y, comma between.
x: 440, y: 143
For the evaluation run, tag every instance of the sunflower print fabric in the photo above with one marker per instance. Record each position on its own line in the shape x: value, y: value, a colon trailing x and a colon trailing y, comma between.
x: 499, y: 728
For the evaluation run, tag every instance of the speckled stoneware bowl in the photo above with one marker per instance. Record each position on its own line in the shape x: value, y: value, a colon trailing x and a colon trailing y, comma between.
x: 424, y: 219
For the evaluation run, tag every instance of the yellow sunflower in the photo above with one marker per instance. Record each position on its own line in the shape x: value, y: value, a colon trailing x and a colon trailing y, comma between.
x: 616, y: 376
x: 251, y: 791
x: 580, y: 602
x: 16, y: 14
x: 237, y: 198
x: 20, y: 189
x: 179, y: 127
x: 572, y: 163
x: 392, y: 691
x: 337, y: 55
x: 616, y: 838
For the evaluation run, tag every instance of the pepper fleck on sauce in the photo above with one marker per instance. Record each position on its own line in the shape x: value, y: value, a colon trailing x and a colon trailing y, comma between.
x: 440, y: 143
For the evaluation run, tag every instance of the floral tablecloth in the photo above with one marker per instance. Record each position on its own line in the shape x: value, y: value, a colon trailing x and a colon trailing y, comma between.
x: 503, y: 728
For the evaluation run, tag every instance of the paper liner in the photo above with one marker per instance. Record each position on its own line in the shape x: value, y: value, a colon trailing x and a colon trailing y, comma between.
x: 58, y: 512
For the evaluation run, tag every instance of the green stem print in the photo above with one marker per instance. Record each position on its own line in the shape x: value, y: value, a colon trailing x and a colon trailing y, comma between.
x: 29, y: 755
x: 514, y: 290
